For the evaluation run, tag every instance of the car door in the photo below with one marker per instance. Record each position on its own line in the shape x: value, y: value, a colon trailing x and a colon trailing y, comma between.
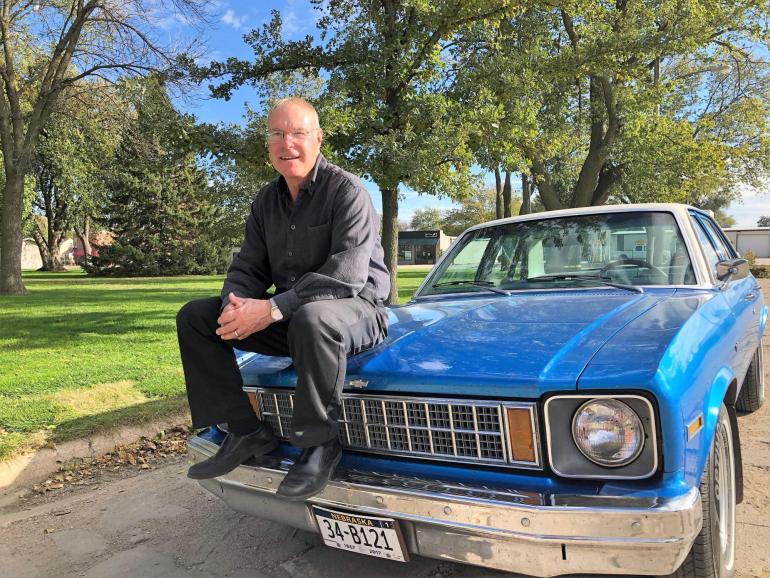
x: 742, y: 295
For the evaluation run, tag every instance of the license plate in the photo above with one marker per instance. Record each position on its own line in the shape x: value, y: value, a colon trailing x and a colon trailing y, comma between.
x: 380, y: 537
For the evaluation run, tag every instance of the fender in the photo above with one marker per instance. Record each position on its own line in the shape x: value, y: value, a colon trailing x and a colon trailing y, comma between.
x: 696, y: 449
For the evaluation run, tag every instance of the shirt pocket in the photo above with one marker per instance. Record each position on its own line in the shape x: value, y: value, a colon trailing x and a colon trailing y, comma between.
x: 318, y: 244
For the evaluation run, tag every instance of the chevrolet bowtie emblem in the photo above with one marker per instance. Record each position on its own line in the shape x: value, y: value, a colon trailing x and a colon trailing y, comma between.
x: 359, y: 383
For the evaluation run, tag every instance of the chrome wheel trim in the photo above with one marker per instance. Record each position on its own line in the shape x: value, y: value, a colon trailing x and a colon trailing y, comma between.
x: 724, y: 492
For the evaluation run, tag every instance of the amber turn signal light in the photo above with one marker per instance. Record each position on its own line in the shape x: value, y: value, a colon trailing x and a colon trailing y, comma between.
x: 520, y: 434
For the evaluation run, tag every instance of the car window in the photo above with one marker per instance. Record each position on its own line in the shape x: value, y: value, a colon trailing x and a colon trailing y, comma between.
x: 723, y: 250
x: 712, y: 257
x: 638, y: 248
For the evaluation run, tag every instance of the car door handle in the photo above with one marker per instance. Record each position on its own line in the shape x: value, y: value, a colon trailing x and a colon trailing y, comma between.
x: 751, y: 296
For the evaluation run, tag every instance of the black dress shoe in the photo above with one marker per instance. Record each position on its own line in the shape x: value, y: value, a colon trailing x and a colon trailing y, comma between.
x: 311, y: 471
x: 233, y: 452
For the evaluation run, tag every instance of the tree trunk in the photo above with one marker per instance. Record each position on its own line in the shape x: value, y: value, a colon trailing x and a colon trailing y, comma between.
x: 10, y: 245
x: 41, y: 247
x: 390, y: 239
x: 542, y: 178
x: 498, y: 194
x: 602, y: 138
x: 85, y: 238
x: 525, y: 208
x: 56, y: 217
x: 507, y: 195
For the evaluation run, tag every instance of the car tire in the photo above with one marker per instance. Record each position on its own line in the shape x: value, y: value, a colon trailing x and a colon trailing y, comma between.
x: 713, y: 553
x: 752, y: 394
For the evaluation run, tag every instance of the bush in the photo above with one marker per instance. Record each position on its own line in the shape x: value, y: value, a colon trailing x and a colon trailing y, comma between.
x: 760, y: 271
x: 751, y: 257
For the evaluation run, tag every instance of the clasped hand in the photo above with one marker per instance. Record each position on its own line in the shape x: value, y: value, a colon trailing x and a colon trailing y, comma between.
x: 242, y: 316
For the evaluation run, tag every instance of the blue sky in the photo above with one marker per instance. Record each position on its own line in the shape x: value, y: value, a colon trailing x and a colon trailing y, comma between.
x: 231, y: 19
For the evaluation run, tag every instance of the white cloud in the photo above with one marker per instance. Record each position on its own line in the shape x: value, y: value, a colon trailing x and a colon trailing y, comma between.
x: 232, y: 19
x: 754, y: 203
x: 290, y: 22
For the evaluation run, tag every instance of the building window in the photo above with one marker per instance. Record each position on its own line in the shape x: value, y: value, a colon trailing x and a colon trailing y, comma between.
x: 406, y: 253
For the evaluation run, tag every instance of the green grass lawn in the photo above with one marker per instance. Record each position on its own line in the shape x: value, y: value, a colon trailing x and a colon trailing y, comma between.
x: 80, y: 354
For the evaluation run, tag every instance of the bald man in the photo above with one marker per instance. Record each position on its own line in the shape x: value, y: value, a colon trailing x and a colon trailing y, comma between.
x: 313, y: 233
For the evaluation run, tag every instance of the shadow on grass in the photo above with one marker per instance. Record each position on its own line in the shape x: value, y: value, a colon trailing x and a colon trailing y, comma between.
x: 152, y: 410
x: 64, y: 276
x: 45, y: 333
x: 83, y: 279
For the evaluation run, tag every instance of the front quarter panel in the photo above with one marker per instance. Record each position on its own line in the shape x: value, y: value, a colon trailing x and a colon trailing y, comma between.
x: 688, y: 378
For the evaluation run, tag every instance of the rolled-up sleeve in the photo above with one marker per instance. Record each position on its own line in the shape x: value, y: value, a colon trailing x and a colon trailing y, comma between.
x: 346, y: 270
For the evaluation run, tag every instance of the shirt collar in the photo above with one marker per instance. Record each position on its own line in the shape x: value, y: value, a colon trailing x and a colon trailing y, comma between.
x: 309, y: 187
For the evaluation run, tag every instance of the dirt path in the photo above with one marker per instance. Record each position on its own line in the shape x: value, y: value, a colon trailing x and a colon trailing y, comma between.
x: 753, y: 522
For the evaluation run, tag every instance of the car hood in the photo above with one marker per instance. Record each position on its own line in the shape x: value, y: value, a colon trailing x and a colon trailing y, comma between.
x: 514, y: 346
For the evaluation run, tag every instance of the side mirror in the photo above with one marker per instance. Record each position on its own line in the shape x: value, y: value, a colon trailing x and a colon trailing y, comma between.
x: 732, y: 270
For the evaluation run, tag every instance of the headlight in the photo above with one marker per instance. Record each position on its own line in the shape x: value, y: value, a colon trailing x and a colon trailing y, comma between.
x: 608, y: 432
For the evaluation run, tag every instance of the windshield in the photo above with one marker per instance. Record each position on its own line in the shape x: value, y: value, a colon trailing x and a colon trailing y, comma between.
x: 622, y: 250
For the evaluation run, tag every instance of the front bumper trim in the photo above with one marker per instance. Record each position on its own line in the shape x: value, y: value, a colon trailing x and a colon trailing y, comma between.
x: 526, y: 532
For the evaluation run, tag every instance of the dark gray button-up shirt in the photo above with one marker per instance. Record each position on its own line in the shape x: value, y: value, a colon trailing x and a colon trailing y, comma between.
x: 325, y: 245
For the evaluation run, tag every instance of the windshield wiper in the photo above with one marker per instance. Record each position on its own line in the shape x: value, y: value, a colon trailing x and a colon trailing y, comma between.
x: 594, y: 278
x: 483, y: 284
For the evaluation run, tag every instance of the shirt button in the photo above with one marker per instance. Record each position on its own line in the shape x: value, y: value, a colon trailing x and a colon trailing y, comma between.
x: 291, y: 253
x: 293, y: 227
x: 292, y: 278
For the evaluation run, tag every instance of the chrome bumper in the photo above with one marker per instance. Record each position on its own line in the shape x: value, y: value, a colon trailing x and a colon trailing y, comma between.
x: 515, y: 531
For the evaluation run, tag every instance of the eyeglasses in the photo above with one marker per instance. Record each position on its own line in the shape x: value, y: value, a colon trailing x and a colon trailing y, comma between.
x: 276, y: 136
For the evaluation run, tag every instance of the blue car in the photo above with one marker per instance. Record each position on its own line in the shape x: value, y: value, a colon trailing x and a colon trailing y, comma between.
x: 559, y: 396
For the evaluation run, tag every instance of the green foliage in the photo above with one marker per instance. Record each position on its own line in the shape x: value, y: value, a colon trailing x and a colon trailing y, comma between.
x: 751, y: 257
x: 763, y: 221
x: 160, y: 209
x: 429, y: 218
x: 49, y: 47
x: 725, y: 221
x: 476, y: 208
x: 761, y: 271
x: 628, y: 101
x: 72, y: 151
x: 479, y: 208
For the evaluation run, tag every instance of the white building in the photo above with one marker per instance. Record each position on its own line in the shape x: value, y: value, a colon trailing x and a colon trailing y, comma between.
x: 756, y: 239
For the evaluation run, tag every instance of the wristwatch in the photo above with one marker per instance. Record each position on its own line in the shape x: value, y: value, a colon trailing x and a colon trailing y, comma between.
x: 275, y: 313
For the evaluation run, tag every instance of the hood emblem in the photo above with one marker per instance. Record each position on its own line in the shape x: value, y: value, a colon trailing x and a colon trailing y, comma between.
x: 359, y: 383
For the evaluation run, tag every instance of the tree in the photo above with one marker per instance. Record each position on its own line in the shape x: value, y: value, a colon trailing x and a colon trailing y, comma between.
x: 478, y: 208
x: 724, y: 219
x: 427, y: 219
x: 627, y: 100
x: 48, y: 46
x: 71, y: 152
x: 763, y: 221
x: 160, y: 211
x: 386, y: 111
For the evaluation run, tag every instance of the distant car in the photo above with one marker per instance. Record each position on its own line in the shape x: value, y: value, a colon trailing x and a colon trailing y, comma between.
x: 559, y: 396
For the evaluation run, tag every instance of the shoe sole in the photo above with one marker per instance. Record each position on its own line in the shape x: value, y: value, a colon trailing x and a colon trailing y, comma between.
x: 311, y: 493
x: 261, y: 451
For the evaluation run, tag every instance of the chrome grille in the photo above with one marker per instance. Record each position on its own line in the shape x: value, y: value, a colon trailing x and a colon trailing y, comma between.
x: 432, y: 428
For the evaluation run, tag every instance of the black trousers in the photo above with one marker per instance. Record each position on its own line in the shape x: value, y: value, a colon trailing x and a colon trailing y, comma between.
x: 318, y: 337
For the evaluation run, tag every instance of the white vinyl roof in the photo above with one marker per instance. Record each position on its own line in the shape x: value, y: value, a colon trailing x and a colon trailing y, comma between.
x: 675, y: 208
